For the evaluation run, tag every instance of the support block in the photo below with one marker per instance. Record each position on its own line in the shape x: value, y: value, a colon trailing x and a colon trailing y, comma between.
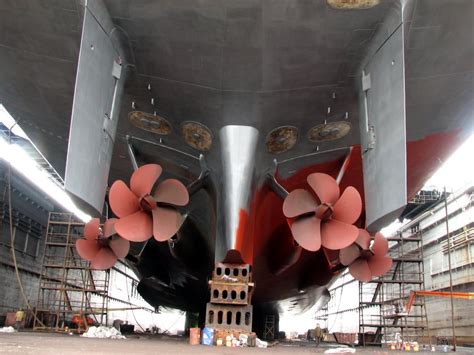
x: 232, y: 273
x: 230, y: 293
x: 237, y: 318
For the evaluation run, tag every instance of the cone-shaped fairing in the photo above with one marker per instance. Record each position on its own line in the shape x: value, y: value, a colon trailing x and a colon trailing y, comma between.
x: 122, y: 201
x: 307, y: 232
x: 91, y: 229
x: 349, y: 254
x: 380, y: 246
x: 87, y: 248
x: 173, y: 192
x: 349, y: 207
x: 337, y: 235
x: 119, y: 246
x: 325, y: 187
x: 238, y: 156
x: 136, y: 227
x: 144, y: 178
x: 359, y: 269
x: 104, y: 259
x: 166, y: 223
x: 299, y: 202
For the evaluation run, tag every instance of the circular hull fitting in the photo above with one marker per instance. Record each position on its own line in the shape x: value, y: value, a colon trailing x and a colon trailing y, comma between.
x: 329, y: 131
x: 197, y: 135
x: 150, y: 122
x: 353, y: 4
x: 281, y: 139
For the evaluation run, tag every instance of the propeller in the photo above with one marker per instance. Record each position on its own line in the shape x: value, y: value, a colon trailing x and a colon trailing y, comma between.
x: 323, y: 217
x: 102, y: 249
x: 366, y: 262
x: 143, y: 214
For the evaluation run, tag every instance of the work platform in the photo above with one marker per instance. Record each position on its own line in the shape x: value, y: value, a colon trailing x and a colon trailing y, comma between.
x: 68, y: 288
x: 389, y: 293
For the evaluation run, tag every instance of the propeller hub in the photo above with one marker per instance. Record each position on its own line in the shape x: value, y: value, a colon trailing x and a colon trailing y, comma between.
x: 147, y: 203
x: 324, y: 211
x: 103, y: 242
x: 366, y: 254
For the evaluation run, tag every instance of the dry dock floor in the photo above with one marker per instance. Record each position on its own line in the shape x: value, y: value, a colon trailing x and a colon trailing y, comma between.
x: 47, y: 343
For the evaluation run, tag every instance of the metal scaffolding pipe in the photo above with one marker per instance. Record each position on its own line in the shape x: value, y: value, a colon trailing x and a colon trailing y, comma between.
x: 449, y: 265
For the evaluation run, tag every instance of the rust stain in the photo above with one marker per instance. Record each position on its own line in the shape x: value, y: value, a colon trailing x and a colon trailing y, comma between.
x: 150, y: 122
x: 282, y: 139
x: 352, y: 4
x: 197, y: 135
x: 329, y: 131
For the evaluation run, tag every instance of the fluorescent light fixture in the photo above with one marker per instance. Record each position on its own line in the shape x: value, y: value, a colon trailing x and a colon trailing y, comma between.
x: 25, y: 165
x: 9, y: 122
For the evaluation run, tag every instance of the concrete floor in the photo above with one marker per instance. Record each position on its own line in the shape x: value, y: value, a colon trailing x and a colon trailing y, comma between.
x: 46, y: 343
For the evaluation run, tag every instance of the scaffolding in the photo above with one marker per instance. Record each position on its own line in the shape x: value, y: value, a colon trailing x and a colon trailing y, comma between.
x: 71, y: 295
x: 322, y: 317
x: 382, y: 314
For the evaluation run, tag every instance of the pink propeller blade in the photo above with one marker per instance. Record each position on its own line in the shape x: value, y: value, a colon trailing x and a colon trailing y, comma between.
x: 360, y: 270
x: 104, y: 259
x: 325, y: 187
x: 349, y: 207
x: 379, y: 265
x: 120, y: 247
x: 363, y: 240
x: 87, y: 249
x: 299, y: 202
x: 144, y: 178
x: 349, y: 254
x: 338, y: 235
x: 109, y: 227
x: 137, y: 227
x: 172, y: 191
x: 307, y: 233
x: 91, y: 229
x: 380, y: 246
x: 166, y: 223
x: 122, y: 201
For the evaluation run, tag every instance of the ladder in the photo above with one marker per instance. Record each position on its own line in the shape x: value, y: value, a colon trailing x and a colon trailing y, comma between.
x: 381, y: 311
x: 269, y: 330
x: 70, y: 294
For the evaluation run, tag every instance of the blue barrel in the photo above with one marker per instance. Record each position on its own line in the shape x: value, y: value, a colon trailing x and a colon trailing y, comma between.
x: 207, y: 336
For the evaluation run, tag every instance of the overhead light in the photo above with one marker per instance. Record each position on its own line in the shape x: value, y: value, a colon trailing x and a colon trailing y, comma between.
x: 25, y: 165
x: 8, y: 121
